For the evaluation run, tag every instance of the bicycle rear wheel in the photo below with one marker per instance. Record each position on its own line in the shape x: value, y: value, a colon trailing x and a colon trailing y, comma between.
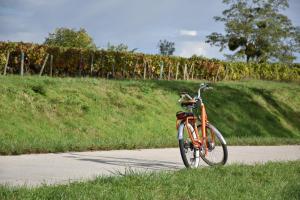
x: 217, y: 153
x: 189, y: 154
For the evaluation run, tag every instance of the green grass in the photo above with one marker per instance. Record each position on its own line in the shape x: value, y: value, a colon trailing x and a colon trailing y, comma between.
x: 269, y: 181
x: 40, y: 114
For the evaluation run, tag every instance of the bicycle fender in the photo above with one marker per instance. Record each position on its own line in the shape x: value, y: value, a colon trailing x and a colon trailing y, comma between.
x: 216, y: 131
x: 180, y: 131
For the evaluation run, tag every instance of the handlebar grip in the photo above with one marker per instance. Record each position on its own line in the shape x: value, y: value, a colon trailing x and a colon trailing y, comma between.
x: 208, y: 88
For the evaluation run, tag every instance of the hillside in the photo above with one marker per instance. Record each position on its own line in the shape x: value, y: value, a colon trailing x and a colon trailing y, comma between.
x: 40, y: 114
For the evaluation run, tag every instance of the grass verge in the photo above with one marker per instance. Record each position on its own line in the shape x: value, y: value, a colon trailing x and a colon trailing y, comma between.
x: 268, y: 181
x: 40, y: 114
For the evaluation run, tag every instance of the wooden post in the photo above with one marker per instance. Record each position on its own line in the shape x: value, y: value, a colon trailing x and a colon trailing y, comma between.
x: 113, y: 70
x: 185, y: 75
x: 121, y: 71
x: 80, y: 64
x: 22, y: 63
x: 44, y: 64
x: 192, y: 69
x: 51, y: 64
x: 177, y: 70
x: 134, y: 69
x: 125, y: 72
x: 145, y: 70
x: 6, y: 64
x: 226, y: 72
x: 150, y: 76
x: 169, y: 74
x: 161, y: 70
x: 216, y: 79
x: 92, y: 64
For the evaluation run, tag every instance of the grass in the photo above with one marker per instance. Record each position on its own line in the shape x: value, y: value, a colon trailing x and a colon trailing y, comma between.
x: 269, y: 181
x: 40, y: 114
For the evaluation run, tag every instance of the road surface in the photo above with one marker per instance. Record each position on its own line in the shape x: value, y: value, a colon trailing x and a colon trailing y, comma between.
x: 37, y: 169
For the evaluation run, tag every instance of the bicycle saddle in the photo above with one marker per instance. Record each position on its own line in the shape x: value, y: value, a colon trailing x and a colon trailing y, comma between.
x: 183, y: 115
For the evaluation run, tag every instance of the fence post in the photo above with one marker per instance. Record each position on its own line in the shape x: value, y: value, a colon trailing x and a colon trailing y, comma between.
x: 185, y: 75
x: 217, y: 75
x: 192, y: 68
x: 124, y: 72
x: 113, y: 70
x: 134, y: 69
x: 45, y: 61
x: 51, y: 64
x: 226, y: 72
x: 177, y: 70
x: 80, y: 64
x: 161, y: 70
x: 6, y: 64
x: 22, y: 63
x: 145, y: 70
x: 149, y: 64
x: 169, y: 74
x: 92, y: 64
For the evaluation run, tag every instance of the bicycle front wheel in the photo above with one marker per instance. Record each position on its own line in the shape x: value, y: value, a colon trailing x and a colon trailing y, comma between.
x: 215, y: 144
x: 189, y: 154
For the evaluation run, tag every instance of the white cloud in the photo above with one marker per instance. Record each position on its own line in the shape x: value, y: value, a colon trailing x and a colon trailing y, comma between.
x: 191, y: 33
x: 189, y: 48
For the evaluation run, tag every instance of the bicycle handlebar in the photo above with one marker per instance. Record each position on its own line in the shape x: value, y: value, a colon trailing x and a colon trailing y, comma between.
x: 203, y: 87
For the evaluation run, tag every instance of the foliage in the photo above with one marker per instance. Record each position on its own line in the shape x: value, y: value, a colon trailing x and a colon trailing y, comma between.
x: 166, y: 48
x: 256, y: 30
x: 119, y: 47
x: 123, y: 64
x: 65, y: 37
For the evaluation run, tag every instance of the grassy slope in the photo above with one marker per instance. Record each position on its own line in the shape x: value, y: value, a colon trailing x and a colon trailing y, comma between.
x: 54, y: 114
x: 269, y: 181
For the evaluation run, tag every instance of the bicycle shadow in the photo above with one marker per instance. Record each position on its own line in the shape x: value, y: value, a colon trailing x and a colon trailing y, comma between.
x: 129, y: 162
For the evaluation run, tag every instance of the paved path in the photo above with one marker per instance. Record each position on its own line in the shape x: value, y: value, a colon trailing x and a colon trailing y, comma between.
x: 36, y: 169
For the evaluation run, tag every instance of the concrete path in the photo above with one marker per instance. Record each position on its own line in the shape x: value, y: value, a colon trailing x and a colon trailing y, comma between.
x: 36, y: 169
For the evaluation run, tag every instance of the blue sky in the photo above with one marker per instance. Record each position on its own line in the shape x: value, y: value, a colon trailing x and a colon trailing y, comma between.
x: 137, y: 23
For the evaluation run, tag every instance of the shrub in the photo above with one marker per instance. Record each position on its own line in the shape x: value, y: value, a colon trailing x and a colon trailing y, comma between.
x: 78, y: 62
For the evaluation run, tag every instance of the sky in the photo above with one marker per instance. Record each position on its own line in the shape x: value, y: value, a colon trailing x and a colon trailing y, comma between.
x: 136, y: 23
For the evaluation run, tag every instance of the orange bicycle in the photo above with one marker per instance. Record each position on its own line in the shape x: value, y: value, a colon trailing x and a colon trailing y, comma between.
x: 210, y: 145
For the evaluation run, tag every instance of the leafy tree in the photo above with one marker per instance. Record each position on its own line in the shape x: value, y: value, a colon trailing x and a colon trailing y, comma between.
x: 256, y: 30
x: 66, y: 37
x: 166, y: 48
x: 119, y: 47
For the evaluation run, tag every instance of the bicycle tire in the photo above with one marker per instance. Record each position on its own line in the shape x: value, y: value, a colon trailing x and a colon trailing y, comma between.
x: 190, y: 159
x: 219, y: 144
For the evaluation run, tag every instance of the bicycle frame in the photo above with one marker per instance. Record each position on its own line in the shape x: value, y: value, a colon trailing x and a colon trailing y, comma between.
x: 196, y: 140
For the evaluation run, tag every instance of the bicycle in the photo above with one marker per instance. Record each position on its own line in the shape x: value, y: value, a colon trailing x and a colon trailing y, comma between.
x: 211, y: 146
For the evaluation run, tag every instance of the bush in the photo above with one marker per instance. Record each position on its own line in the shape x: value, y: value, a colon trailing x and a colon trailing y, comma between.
x: 78, y: 62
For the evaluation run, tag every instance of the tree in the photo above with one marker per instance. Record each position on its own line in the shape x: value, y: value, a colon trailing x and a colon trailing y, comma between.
x: 256, y: 30
x: 166, y: 48
x: 119, y: 47
x: 66, y: 37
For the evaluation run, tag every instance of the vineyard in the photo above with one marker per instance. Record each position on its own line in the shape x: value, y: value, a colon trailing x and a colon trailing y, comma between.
x: 26, y: 58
